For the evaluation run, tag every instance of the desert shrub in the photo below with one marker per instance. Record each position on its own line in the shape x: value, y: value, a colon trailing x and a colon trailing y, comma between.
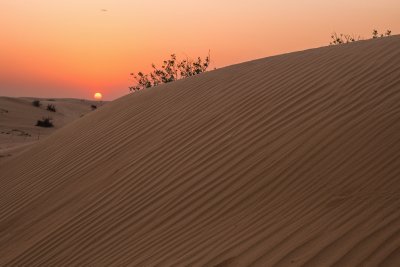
x: 341, y: 38
x: 376, y: 34
x: 93, y: 107
x: 45, y: 122
x: 51, y: 107
x: 171, y: 70
x: 36, y: 103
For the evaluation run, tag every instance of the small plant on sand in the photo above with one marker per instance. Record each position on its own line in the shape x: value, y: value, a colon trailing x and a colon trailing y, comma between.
x: 45, y: 122
x: 341, y: 38
x: 94, y: 107
x: 375, y: 34
x: 170, y: 71
x: 36, y: 103
x: 51, y: 107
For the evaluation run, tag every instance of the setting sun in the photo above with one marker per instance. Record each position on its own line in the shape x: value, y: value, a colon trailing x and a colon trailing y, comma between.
x: 98, y: 96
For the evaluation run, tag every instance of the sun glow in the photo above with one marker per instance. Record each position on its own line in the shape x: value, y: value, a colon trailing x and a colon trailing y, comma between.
x: 98, y: 96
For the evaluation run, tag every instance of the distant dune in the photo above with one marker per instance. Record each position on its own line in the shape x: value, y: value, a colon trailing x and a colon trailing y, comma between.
x: 18, y: 118
x: 284, y: 161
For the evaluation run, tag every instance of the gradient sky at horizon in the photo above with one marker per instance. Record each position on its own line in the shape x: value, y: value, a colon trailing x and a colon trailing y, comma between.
x: 73, y: 49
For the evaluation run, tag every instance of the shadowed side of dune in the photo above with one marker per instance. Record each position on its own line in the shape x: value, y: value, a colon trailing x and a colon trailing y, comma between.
x: 288, y: 160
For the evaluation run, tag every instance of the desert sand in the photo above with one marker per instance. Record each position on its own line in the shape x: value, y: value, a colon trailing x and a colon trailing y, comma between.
x: 289, y: 160
x: 18, y: 118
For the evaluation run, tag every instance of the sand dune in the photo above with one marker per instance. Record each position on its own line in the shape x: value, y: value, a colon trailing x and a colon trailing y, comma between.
x: 285, y: 161
x: 18, y: 118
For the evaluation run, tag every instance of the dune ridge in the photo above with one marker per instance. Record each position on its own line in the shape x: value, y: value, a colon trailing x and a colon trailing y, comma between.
x: 285, y: 161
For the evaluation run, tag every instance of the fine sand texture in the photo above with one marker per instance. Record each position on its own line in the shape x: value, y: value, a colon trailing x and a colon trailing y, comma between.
x: 289, y: 160
x: 18, y: 118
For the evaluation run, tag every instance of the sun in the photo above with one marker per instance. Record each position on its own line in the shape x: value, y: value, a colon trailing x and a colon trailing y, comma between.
x: 98, y: 96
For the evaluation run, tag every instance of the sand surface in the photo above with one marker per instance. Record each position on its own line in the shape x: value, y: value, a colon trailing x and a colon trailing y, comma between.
x: 18, y: 118
x: 286, y: 161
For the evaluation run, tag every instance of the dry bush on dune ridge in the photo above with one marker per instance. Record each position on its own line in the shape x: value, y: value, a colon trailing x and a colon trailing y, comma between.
x: 337, y: 39
x: 171, y: 70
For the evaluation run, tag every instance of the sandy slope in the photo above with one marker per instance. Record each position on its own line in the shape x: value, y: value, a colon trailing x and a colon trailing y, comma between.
x: 289, y: 160
x: 18, y: 118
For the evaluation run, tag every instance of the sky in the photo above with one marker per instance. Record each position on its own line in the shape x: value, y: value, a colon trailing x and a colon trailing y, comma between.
x: 75, y: 48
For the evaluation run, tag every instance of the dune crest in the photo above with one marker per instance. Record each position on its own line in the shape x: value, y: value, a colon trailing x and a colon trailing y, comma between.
x: 287, y: 160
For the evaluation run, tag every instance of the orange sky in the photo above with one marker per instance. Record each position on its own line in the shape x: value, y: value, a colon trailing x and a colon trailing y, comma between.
x: 72, y: 48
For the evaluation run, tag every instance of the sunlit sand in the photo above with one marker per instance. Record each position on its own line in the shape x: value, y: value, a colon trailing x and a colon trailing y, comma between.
x: 290, y: 160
